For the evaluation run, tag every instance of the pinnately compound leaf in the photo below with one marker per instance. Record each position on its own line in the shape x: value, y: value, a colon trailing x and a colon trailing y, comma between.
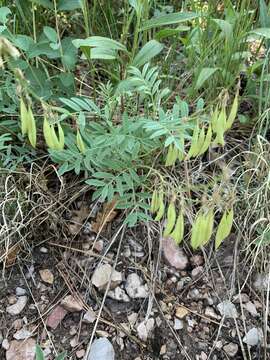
x: 171, y: 217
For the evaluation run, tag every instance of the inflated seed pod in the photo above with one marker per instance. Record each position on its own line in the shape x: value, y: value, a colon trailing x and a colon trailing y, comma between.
x: 178, y: 232
x: 194, y: 142
x: 48, y: 134
x: 31, y: 128
x: 224, y: 228
x: 154, y: 202
x: 233, y: 112
x: 207, y: 141
x: 221, y: 127
x: 24, y: 117
x: 80, y: 143
x: 208, y: 227
x: 171, y: 217
x: 161, y: 208
x: 197, y: 231
x: 61, y: 137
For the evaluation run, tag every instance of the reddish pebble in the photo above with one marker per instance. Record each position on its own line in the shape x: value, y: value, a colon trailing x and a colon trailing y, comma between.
x: 56, y: 316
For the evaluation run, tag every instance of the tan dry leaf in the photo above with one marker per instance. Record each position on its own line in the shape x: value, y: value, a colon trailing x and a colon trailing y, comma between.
x: 105, y: 216
x: 78, y: 218
x: 46, y: 276
x: 11, y: 255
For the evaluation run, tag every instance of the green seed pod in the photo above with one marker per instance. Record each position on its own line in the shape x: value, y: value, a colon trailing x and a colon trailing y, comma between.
x: 161, y: 208
x: 31, y: 128
x: 197, y: 231
x: 208, y: 227
x: 61, y: 137
x: 224, y: 228
x: 178, y: 232
x: 154, y: 202
x: 48, y: 134
x: 80, y: 143
x: 194, y: 142
x: 171, y: 217
x: 24, y: 117
x: 233, y: 113
x: 207, y: 141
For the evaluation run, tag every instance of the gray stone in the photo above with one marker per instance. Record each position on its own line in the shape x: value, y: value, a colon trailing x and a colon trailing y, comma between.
x: 253, y: 337
x: 20, y: 291
x: 231, y: 349
x: 135, y: 288
x: 118, y: 294
x: 18, y: 307
x: 227, y: 309
x: 103, y: 274
x: 101, y: 349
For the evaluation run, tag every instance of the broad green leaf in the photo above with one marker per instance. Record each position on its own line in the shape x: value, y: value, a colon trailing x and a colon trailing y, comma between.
x: 165, y: 33
x: 265, y: 32
x: 264, y: 14
x: 102, y: 53
x: 50, y: 33
x: 39, y: 353
x: 147, y: 52
x: 99, y: 42
x: 69, y: 5
x: 4, y: 12
x: 169, y: 19
x: 226, y: 28
x: 204, y: 75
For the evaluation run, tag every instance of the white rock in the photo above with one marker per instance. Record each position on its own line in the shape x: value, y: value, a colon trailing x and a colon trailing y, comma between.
x: 135, y: 288
x: 89, y: 317
x: 197, y: 271
x: 72, y: 303
x: 231, y: 349
x: 22, y: 334
x: 251, y: 308
x: 241, y: 298
x: 132, y: 318
x: 5, y: 344
x: 43, y: 250
x: 20, y: 291
x: 101, y: 349
x: 178, y: 324
x: 144, y: 328
x: 227, y: 309
x: 18, y: 307
x: 253, y: 337
x: 118, y: 294
x: 102, y: 276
